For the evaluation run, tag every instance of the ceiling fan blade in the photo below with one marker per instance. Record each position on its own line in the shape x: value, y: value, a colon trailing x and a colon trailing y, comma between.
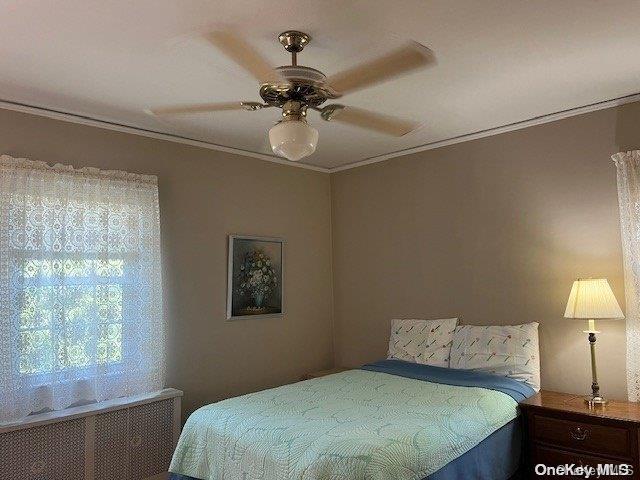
x: 409, y: 57
x: 205, y: 107
x: 237, y: 49
x: 369, y: 120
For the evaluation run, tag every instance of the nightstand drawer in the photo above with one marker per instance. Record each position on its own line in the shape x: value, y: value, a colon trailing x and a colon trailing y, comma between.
x: 584, y: 436
x: 552, y: 457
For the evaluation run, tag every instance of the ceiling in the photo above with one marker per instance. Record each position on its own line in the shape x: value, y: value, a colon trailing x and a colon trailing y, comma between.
x: 499, y: 62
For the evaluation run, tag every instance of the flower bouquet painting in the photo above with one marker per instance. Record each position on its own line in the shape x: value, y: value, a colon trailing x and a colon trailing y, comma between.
x: 255, y: 277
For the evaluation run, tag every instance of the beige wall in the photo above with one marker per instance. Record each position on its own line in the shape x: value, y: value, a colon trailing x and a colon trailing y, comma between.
x: 493, y: 231
x: 204, y: 196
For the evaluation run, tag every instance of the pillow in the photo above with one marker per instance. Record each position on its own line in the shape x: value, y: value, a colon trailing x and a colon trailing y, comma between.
x: 508, y: 350
x: 422, y: 341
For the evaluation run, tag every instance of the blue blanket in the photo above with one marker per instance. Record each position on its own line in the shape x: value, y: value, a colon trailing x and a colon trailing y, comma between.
x: 450, y: 376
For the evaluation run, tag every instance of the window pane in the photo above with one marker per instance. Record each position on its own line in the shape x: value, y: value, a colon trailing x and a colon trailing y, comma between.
x: 109, y: 303
x: 36, y: 351
x: 109, y: 268
x: 110, y: 343
x: 34, y: 313
x: 70, y: 320
x: 74, y: 347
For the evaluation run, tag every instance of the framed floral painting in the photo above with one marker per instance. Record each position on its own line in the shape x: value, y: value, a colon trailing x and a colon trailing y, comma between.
x: 254, y: 284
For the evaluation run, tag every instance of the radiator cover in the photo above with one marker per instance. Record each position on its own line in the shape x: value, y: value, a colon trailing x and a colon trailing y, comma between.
x: 125, y: 439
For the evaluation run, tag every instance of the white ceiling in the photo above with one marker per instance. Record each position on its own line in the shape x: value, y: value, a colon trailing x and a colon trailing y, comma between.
x: 499, y: 62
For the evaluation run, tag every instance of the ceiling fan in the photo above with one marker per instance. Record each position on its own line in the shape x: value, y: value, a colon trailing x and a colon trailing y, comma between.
x: 296, y: 89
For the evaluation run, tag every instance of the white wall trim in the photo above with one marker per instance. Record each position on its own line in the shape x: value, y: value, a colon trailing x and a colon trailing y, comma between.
x: 94, y: 122
x: 551, y: 117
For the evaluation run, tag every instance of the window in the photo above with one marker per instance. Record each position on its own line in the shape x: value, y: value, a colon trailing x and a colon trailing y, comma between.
x: 71, y: 314
x: 80, y: 286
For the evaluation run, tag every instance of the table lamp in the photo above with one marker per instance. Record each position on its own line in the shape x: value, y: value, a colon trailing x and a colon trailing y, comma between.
x: 593, y: 299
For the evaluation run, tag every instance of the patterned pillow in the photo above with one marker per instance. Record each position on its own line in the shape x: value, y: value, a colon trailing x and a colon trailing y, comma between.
x: 422, y: 341
x: 508, y: 350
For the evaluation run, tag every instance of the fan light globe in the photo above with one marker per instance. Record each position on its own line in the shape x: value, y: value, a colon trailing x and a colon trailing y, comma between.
x: 293, y: 139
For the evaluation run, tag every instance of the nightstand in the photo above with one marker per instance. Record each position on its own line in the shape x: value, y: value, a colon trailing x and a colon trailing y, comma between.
x: 561, y: 429
x: 324, y: 373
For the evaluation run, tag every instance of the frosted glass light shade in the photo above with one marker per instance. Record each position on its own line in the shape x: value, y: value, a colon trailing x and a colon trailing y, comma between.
x: 592, y: 298
x: 293, y: 139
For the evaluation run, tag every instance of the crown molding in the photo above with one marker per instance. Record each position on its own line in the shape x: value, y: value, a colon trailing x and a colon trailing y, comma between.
x: 551, y: 117
x: 108, y: 125
x: 118, y: 127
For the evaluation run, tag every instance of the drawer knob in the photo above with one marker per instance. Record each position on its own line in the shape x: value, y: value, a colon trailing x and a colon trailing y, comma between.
x: 579, y: 433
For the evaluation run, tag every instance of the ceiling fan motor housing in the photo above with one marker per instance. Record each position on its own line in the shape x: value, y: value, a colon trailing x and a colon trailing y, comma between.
x: 301, y: 84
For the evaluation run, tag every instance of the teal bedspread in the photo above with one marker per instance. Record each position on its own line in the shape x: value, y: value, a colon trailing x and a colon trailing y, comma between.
x: 353, y: 425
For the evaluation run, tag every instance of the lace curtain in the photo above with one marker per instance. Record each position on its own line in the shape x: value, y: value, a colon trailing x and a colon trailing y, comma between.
x: 80, y: 286
x: 628, y: 171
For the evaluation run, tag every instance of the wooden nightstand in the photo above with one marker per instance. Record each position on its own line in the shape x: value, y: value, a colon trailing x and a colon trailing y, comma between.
x: 561, y: 429
x: 323, y: 373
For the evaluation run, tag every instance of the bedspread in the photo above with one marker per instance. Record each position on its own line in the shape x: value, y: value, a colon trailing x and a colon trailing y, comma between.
x: 373, y: 424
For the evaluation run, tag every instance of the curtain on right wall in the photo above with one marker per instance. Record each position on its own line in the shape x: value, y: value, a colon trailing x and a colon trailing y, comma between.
x: 628, y: 173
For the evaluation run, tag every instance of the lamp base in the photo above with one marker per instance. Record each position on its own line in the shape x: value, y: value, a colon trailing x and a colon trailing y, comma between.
x: 596, y: 401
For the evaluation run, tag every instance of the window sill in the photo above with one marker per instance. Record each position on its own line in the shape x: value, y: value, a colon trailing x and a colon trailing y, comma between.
x: 89, y: 410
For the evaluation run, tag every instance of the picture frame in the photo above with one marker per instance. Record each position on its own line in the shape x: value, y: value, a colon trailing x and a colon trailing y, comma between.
x: 255, y: 277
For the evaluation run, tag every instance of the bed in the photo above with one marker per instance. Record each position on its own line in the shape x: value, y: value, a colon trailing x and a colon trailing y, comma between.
x: 388, y: 420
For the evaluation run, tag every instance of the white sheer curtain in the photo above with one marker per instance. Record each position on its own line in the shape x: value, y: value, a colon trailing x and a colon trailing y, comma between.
x: 628, y: 171
x: 80, y: 286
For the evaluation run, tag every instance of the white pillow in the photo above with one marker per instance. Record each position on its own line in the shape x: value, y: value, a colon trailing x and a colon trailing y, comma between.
x: 508, y: 350
x: 422, y: 341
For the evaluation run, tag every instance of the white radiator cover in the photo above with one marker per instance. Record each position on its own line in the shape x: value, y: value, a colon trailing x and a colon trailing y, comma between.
x: 124, y: 439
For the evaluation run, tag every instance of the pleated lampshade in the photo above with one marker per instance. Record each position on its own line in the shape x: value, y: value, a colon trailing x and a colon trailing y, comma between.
x: 592, y: 298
